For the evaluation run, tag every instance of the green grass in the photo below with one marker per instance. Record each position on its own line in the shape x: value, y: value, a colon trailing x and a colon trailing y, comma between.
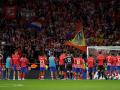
x: 60, y: 85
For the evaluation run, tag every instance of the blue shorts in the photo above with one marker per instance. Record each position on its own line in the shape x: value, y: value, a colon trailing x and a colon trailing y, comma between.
x: 23, y: 69
x: 42, y: 68
x: 90, y: 70
x: 53, y: 69
x: 74, y: 69
x: 118, y: 68
x: 78, y: 70
x: 0, y: 69
x: 113, y: 68
x: 15, y: 67
x: 109, y: 68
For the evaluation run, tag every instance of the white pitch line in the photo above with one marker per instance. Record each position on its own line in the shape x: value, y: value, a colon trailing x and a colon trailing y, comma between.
x: 11, y: 85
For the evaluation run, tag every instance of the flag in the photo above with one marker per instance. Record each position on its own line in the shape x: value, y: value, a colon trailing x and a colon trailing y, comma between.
x: 35, y: 25
x: 70, y: 35
x: 78, y: 41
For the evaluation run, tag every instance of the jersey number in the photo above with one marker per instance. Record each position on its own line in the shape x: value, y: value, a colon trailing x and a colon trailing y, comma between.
x: 78, y: 62
x: 42, y: 62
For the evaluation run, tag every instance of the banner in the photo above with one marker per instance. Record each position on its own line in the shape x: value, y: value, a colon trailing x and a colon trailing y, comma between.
x: 10, y: 12
x: 27, y: 14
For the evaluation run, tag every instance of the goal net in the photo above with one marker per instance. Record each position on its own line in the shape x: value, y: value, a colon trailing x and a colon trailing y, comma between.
x: 94, y: 50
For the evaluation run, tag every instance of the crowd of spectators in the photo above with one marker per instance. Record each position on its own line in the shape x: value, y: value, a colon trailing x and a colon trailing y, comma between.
x: 58, y: 18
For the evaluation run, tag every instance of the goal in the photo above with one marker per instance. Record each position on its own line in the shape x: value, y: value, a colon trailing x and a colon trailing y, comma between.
x: 94, y: 50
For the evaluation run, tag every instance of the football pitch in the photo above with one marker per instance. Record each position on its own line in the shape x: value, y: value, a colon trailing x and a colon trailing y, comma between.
x: 60, y: 85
